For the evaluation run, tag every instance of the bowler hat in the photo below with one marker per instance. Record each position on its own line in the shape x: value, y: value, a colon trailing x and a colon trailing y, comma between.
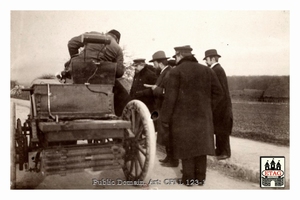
x: 159, y: 55
x: 185, y: 50
x: 211, y: 52
x: 116, y: 33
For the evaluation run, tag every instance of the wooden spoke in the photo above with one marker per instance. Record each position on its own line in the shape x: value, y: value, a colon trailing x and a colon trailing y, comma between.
x: 137, y: 121
x: 139, y: 159
x: 139, y: 131
x: 142, y: 141
x: 131, y: 166
x: 130, y: 133
x: 136, y: 168
x: 133, y: 120
x: 141, y: 150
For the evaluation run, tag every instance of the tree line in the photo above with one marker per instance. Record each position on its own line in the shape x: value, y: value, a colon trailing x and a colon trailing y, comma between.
x: 255, y: 82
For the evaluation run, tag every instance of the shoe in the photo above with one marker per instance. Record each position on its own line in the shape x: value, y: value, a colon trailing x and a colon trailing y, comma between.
x: 164, y: 160
x: 223, y: 157
x: 170, y: 164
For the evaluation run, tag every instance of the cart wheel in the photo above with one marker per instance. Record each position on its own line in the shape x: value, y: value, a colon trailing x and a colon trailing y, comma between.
x: 21, y: 145
x: 139, y: 142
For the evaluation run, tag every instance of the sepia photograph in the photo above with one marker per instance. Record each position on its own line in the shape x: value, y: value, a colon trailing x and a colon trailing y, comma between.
x: 156, y: 98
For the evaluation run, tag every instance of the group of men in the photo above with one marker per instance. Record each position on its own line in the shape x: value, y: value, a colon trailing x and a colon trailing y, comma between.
x: 189, y: 102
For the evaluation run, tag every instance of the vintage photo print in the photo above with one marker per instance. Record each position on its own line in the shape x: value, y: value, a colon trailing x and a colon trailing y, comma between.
x: 150, y: 99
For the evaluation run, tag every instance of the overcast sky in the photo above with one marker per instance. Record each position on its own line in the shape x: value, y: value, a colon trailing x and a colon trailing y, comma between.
x: 253, y: 42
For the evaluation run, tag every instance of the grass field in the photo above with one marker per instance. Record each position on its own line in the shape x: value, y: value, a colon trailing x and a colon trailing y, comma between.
x: 264, y: 122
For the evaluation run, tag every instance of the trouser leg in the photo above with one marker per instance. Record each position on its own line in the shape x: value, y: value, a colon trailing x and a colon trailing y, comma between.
x: 223, y: 145
x: 188, y: 170
x: 170, y: 155
x: 201, y: 165
x: 169, y: 160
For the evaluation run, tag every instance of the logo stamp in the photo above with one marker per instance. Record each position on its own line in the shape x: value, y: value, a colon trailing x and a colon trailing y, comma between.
x: 272, y: 171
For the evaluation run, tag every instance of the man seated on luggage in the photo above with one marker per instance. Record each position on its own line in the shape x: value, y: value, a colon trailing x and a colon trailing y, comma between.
x: 98, y: 52
x: 111, y: 52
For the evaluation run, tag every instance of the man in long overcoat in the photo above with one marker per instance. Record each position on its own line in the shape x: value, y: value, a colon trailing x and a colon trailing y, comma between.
x: 222, y: 116
x: 144, y: 74
x: 160, y: 62
x: 192, y: 92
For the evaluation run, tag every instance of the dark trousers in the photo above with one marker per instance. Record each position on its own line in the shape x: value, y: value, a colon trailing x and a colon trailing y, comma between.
x: 170, y: 155
x: 165, y: 138
x: 194, y: 168
x: 223, y: 145
x: 168, y: 142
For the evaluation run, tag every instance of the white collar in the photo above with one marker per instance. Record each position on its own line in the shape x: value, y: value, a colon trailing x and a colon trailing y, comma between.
x: 214, y: 64
x: 163, y: 69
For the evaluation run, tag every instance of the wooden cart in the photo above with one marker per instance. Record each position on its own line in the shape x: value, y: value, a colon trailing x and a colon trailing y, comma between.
x: 72, y: 127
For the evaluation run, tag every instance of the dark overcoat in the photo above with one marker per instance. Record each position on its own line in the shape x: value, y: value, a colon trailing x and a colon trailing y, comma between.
x: 159, y: 93
x: 192, y: 92
x: 222, y: 115
x: 139, y: 91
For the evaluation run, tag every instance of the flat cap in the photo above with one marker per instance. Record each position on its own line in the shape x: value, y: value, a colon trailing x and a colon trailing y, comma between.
x: 184, y: 48
x: 116, y: 33
x: 139, y: 60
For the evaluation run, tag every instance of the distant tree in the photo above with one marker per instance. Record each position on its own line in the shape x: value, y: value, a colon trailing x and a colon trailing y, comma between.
x: 129, y: 73
x: 129, y: 69
x: 253, y: 82
x: 13, y: 83
x: 16, y: 91
x: 46, y: 76
x: 126, y: 54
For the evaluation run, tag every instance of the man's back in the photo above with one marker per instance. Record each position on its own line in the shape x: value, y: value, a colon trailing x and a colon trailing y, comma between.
x: 223, y: 113
x: 195, y: 84
x: 191, y: 92
x: 98, y: 52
